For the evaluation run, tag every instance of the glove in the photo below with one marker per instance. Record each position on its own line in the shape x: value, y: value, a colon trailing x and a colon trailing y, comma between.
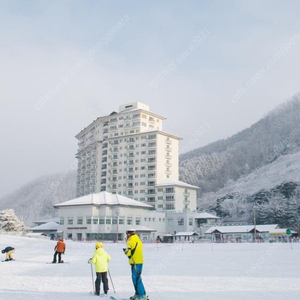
x: 125, y: 250
x: 90, y: 261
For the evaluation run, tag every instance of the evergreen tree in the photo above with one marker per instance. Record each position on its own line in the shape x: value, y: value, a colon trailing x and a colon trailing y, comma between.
x: 9, y: 222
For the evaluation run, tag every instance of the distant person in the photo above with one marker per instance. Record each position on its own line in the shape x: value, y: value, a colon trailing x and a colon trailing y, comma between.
x: 100, y: 259
x: 59, y: 249
x: 134, y: 252
x: 9, y: 251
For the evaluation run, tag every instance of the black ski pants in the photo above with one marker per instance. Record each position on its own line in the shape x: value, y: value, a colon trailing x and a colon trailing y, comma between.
x: 101, y: 277
x: 59, y: 257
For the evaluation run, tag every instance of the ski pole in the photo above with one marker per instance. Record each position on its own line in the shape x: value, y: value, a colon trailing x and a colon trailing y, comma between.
x: 92, y: 277
x: 111, y: 281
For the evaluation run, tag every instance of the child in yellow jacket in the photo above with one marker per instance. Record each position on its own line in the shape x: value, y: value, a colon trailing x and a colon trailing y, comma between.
x: 100, y: 259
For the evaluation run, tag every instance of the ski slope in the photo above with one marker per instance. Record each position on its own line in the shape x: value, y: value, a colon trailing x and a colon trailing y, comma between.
x: 171, y: 271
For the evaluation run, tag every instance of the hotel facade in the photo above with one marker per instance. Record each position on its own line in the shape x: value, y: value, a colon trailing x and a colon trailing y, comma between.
x: 128, y: 153
x: 128, y: 177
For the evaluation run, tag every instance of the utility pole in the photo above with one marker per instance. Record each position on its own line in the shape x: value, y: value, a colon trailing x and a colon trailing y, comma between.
x: 254, y: 221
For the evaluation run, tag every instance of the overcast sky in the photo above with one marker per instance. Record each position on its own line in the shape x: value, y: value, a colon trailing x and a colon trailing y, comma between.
x: 212, y: 68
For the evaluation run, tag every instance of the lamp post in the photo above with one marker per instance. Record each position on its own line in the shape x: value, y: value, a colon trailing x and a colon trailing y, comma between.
x: 254, y: 221
x: 117, y: 214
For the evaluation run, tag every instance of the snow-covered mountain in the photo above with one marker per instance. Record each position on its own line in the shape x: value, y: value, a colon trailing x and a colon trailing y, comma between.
x: 34, y: 201
x: 213, y: 166
x: 259, y: 166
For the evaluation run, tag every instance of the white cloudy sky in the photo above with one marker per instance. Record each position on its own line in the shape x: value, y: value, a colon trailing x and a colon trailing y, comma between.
x: 225, y: 65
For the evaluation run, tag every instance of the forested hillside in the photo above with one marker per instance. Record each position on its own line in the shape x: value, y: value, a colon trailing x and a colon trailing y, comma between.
x: 273, y: 191
x: 34, y: 201
x: 215, y: 165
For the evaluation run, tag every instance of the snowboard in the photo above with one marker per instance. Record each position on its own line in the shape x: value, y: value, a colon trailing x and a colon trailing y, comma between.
x: 7, y: 260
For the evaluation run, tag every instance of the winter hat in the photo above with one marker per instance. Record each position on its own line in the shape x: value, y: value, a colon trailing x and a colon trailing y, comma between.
x: 3, y: 251
x: 99, y: 245
x: 130, y: 231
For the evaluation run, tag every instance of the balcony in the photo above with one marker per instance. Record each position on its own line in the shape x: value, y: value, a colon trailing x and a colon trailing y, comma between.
x: 169, y: 149
x: 151, y: 161
x: 168, y: 141
x: 151, y: 145
x: 151, y: 176
x: 151, y: 168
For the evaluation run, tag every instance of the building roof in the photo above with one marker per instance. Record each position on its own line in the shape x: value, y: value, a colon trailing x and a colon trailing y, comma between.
x: 186, y: 233
x: 47, y: 220
x: 103, y: 198
x: 241, y: 228
x: 140, y: 228
x: 206, y: 215
x: 172, y: 182
x: 47, y: 226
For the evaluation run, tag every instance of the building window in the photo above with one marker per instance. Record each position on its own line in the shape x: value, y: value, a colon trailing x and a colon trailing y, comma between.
x: 170, y: 190
x: 180, y: 221
x: 79, y: 220
x: 61, y: 221
x: 101, y: 220
x: 108, y: 220
x: 129, y: 220
x: 170, y: 206
x: 137, y: 221
x: 169, y: 198
x: 88, y: 220
x: 121, y: 221
x: 70, y: 220
x: 191, y: 221
x: 95, y: 220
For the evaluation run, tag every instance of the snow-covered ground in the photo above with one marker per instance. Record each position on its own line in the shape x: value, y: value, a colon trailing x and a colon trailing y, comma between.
x: 171, y: 271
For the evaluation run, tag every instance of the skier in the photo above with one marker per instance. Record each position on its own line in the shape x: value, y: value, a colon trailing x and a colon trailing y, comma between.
x: 134, y: 252
x: 59, y: 249
x: 100, y: 259
x: 9, y: 251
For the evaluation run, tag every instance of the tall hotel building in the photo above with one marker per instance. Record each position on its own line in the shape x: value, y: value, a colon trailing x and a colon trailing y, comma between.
x: 128, y: 153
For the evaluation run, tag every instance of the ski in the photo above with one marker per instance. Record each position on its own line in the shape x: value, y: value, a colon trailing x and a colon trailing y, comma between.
x: 65, y: 262
x: 114, y: 298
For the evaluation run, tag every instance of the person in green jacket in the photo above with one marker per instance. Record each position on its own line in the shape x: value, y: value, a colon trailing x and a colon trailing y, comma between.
x: 100, y: 259
x: 134, y: 252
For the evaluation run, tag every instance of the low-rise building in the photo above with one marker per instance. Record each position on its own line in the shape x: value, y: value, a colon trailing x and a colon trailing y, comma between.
x: 107, y: 216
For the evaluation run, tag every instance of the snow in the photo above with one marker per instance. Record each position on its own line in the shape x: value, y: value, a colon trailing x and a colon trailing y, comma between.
x: 103, y: 198
x: 171, y: 271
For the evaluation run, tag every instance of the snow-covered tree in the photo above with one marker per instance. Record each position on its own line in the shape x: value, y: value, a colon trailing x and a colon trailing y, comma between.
x: 9, y: 222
